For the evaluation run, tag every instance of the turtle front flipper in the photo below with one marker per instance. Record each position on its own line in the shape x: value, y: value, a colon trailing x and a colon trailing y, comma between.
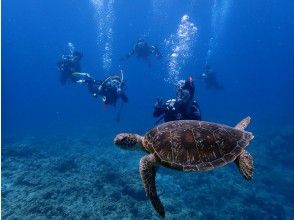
x: 245, y: 164
x: 148, y: 173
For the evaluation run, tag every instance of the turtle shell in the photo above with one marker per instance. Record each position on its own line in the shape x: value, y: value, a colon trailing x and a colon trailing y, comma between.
x: 192, y: 145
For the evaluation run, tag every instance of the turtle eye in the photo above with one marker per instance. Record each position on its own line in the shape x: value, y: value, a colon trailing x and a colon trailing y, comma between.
x: 127, y: 141
x: 124, y: 140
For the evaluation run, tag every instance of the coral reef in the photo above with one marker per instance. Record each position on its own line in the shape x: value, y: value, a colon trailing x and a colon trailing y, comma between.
x: 76, y: 178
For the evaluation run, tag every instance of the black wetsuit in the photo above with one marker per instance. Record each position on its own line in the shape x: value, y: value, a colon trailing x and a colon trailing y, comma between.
x: 181, y: 108
x: 171, y: 111
x: 68, y: 65
x: 210, y: 80
x: 111, y: 89
x: 142, y: 50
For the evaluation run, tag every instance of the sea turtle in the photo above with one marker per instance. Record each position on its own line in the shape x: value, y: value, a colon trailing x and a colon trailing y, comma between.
x: 189, y: 145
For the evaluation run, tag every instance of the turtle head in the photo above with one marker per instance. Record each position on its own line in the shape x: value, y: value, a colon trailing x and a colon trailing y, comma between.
x: 127, y: 140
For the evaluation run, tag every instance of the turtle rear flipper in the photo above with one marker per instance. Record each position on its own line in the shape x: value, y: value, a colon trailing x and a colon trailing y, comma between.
x: 243, y: 124
x: 148, y: 172
x: 245, y: 164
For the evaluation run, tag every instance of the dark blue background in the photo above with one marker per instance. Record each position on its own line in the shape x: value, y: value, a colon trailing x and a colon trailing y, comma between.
x: 254, y: 60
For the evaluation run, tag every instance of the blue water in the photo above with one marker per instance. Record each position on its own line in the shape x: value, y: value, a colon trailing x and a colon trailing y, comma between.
x: 54, y: 135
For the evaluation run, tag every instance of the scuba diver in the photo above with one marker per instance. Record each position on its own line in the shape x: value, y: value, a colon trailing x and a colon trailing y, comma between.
x: 70, y: 69
x: 209, y: 79
x: 183, y: 107
x: 142, y: 50
x: 110, y: 89
x: 68, y: 65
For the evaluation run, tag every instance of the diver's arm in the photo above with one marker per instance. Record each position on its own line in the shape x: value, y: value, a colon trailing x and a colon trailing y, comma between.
x: 155, y: 51
x: 195, y: 111
x: 159, y: 108
x: 61, y: 65
x: 131, y: 53
x: 158, y: 112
